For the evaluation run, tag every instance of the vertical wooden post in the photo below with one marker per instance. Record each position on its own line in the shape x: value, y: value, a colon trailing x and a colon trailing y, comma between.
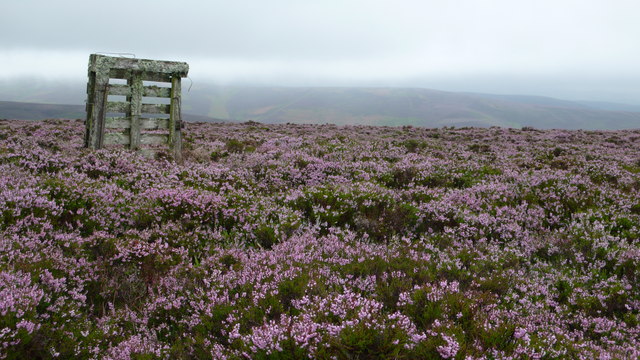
x: 175, y: 122
x: 96, y: 103
x: 90, y: 123
x: 135, y: 109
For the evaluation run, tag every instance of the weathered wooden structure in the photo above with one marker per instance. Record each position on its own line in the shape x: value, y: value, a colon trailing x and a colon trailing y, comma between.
x: 149, y: 115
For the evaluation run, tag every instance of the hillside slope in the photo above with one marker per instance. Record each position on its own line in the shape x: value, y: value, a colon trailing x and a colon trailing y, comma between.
x: 371, y: 106
x: 398, y: 106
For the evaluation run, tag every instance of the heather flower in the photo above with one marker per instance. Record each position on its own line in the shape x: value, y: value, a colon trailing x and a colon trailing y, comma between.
x: 317, y: 240
x: 450, y: 349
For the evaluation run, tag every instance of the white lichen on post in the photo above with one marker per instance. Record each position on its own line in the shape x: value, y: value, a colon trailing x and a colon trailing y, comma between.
x: 134, y: 71
x: 135, y: 110
x: 175, y: 120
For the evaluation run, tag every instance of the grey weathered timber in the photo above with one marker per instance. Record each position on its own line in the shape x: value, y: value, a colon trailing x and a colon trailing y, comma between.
x: 122, y: 90
x: 157, y: 91
x: 96, y: 110
x: 89, y: 107
x: 103, y: 64
x: 124, y: 138
x: 155, y: 109
x: 117, y: 138
x: 135, y: 82
x: 118, y: 122
x: 128, y: 127
x: 147, y: 91
x: 175, y: 120
x: 124, y: 74
x: 118, y: 107
x: 154, y: 139
x: 145, y: 123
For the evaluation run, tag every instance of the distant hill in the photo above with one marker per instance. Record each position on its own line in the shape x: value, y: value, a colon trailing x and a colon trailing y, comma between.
x: 34, y: 111
x: 30, y: 111
x: 367, y: 106
x: 547, y: 101
x: 603, y: 105
x: 535, y: 100
x: 401, y: 106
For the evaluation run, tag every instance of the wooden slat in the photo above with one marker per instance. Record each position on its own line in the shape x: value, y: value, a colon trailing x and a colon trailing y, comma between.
x: 123, y: 138
x: 145, y: 123
x: 117, y: 123
x: 149, y: 90
x: 155, y: 109
x: 117, y: 138
x: 98, y: 62
x: 117, y: 107
x: 124, y: 74
x: 154, y: 124
x: 157, y: 91
x: 120, y: 90
x: 119, y: 74
x: 153, y: 139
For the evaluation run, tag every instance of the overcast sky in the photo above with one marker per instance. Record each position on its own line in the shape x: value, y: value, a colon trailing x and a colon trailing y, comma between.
x: 569, y: 48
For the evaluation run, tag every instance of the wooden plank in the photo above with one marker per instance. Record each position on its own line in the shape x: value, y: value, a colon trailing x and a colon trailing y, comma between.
x: 121, y: 122
x: 120, y: 90
x: 125, y: 74
x: 100, y: 62
x: 145, y: 123
x: 124, y: 138
x: 175, y: 120
x: 153, y: 139
x: 136, y: 109
x: 119, y: 74
x: 157, y: 91
x: 154, y: 124
x: 117, y: 107
x: 157, y: 77
x: 117, y: 138
x: 155, y: 109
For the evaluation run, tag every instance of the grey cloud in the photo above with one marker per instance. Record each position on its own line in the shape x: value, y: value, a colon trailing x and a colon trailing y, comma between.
x: 333, y: 41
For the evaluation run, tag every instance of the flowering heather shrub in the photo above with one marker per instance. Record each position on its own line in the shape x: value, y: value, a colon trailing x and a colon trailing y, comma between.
x: 317, y: 241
